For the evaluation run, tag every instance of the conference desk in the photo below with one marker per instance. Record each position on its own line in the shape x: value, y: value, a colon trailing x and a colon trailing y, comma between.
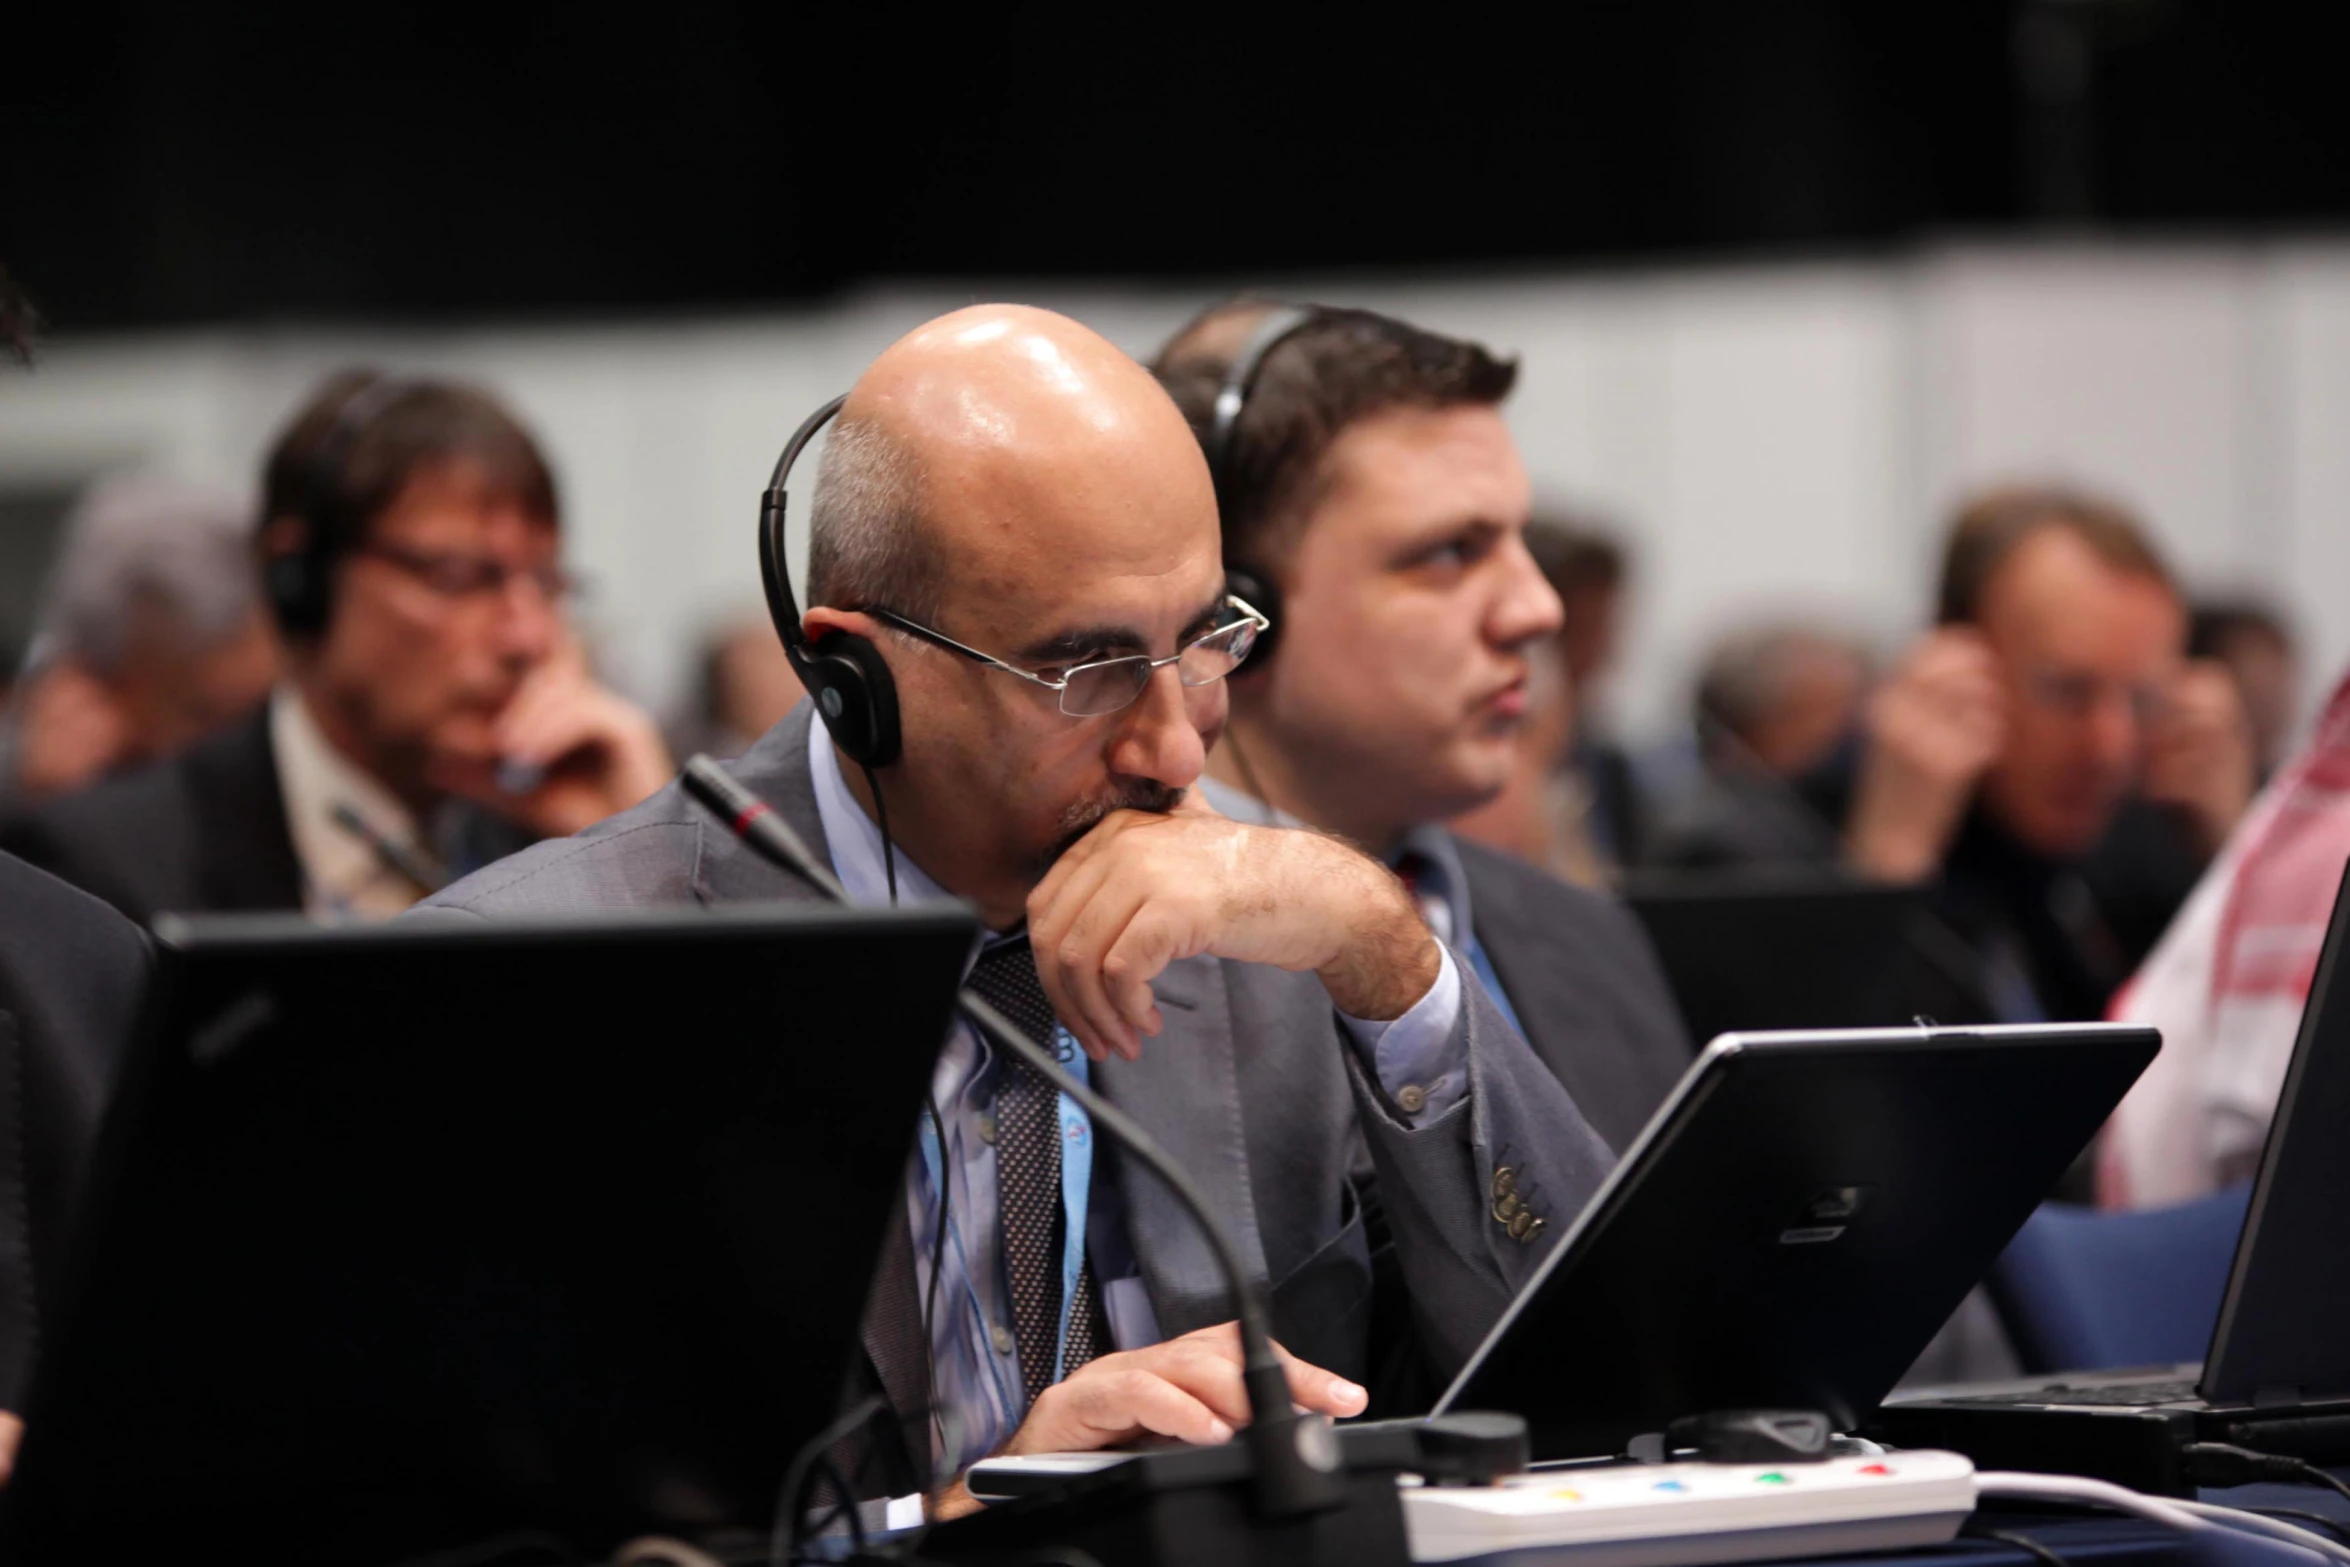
x: 2078, y: 1539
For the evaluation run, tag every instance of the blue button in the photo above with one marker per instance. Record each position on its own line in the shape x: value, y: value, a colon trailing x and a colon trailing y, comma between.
x: 1670, y: 1485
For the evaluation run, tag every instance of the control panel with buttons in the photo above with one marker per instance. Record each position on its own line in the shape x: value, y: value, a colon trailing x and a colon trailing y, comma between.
x: 1678, y: 1515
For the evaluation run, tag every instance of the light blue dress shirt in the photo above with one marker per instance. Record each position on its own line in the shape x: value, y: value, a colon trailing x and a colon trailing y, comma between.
x: 974, y: 1354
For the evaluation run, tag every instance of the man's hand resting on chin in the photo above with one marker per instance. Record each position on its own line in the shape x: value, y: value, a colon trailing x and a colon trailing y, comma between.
x: 1187, y: 1388
x: 1143, y: 890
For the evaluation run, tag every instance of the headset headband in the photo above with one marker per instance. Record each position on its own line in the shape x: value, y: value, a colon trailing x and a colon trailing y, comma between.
x: 774, y: 562
x: 1241, y: 379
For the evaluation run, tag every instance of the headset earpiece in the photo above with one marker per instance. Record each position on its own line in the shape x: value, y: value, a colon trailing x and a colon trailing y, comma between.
x: 846, y: 676
x: 1242, y: 579
x: 1245, y: 581
x: 291, y: 581
x: 855, y: 694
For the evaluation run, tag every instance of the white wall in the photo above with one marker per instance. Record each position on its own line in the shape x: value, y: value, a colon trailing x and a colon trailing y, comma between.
x: 1770, y: 436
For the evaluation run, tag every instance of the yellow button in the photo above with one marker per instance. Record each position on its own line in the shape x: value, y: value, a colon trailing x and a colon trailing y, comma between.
x: 1505, y: 1181
x: 1522, y: 1224
x: 1506, y: 1209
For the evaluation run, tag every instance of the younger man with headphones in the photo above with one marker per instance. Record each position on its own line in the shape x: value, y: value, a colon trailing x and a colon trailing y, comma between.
x: 434, y: 712
x: 1374, y: 505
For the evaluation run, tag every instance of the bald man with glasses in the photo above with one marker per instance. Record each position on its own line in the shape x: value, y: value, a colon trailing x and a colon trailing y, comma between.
x: 1018, y: 519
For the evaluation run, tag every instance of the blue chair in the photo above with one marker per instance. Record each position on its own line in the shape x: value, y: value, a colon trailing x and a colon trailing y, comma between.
x: 2081, y: 1290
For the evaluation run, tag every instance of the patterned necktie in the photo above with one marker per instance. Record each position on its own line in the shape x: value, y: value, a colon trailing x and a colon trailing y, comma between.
x: 1028, y: 1179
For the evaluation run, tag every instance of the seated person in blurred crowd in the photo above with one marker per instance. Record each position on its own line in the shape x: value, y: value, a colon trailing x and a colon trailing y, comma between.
x: 152, y: 635
x: 71, y: 973
x: 2252, y: 642
x: 1773, y: 706
x: 746, y: 687
x: 2049, y: 757
x: 1370, y: 481
x: 2226, y: 985
x: 435, y: 712
x: 1587, y: 569
x: 1018, y: 523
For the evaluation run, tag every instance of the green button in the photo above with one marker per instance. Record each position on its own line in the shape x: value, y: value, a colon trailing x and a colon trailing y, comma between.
x: 1772, y: 1477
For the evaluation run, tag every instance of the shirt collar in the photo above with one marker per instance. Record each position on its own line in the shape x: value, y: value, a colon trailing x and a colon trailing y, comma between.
x: 342, y: 873
x: 854, y: 840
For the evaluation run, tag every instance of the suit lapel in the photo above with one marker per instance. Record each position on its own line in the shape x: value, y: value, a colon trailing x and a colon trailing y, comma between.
x: 727, y: 870
x: 244, y: 848
x: 1186, y: 1093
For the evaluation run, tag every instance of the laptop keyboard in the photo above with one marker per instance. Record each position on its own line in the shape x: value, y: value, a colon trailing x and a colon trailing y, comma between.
x: 2119, y: 1394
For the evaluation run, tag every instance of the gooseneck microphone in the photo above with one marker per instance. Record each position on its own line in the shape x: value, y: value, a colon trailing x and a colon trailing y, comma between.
x: 1296, y: 1462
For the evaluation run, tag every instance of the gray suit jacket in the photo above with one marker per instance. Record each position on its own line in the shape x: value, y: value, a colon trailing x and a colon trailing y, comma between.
x: 1252, y: 1086
x: 1585, y: 983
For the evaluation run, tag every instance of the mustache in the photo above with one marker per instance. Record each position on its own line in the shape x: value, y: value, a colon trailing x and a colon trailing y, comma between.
x: 1080, y: 817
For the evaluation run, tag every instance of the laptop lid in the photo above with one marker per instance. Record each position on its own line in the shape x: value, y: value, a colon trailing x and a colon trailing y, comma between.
x: 2283, y: 1334
x: 1794, y: 1224
x: 1749, y: 953
x: 409, y: 1236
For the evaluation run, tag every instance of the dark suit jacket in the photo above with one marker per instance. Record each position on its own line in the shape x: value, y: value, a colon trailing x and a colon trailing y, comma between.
x: 201, y: 831
x: 1586, y: 985
x: 1251, y: 1085
x: 71, y: 971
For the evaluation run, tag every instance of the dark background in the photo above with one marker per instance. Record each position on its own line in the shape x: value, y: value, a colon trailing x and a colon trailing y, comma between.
x: 175, y: 163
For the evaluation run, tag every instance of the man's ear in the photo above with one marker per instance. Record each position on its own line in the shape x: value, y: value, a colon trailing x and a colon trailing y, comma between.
x: 282, y: 536
x: 821, y: 621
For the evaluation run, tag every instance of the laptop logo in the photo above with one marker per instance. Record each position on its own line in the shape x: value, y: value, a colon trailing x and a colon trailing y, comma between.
x: 1826, y: 1216
x: 231, y: 1027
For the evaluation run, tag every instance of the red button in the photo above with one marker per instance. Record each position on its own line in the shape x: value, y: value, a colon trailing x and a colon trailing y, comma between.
x: 1874, y: 1469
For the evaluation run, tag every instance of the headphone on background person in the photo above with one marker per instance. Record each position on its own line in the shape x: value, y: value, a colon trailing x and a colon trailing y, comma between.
x: 845, y: 674
x: 1242, y: 577
x: 299, y: 583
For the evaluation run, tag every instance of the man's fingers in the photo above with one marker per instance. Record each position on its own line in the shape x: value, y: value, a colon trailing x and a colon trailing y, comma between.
x: 1115, y: 1403
x: 1324, y: 1392
x: 1076, y: 960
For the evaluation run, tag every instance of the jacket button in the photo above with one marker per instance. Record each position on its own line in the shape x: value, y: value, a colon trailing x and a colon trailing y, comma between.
x: 1507, y: 1207
x: 1505, y: 1181
x: 1524, y: 1226
x: 1001, y: 1337
x: 1411, y: 1098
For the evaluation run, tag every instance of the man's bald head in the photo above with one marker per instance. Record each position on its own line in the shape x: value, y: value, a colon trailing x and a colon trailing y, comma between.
x: 988, y: 434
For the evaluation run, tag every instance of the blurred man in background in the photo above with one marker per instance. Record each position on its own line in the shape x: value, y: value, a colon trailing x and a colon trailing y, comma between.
x: 436, y: 712
x: 2048, y: 756
x: 1369, y: 478
x: 1587, y: 568
x: 1774, y: 704
x: 152, y: 636
x: 746, y: 687
x: 2252, y: 642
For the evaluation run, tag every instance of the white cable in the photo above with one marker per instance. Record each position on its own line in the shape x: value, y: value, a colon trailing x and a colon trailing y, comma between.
x: 2276, y: 1528
x: 2095, y: 1493
x: 2191, y: 1517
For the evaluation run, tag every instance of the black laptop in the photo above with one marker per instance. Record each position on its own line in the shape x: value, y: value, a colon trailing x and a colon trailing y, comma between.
x: 1752, y: 952
x: 1793, y: 1226
x: 2277, y: 1375
x: 408, y: 1238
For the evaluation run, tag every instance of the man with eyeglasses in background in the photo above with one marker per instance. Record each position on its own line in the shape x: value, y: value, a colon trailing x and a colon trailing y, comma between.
x: 435, y: 711
x: 2047, y: 758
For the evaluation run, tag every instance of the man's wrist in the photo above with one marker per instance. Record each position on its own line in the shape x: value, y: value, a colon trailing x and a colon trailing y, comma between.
x: 1391, y: 963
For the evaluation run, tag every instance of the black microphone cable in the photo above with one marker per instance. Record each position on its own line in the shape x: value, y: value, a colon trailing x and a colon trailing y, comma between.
x: 1296, y: 1464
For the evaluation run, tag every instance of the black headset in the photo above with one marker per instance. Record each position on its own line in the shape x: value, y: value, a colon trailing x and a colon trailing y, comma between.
x: 299, y: 583
x: 1241, y: 577
x: 845, y: 674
